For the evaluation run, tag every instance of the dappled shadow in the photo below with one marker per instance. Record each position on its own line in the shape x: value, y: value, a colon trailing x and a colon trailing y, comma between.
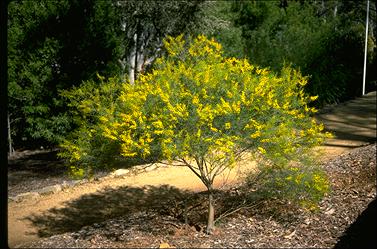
x: 350, y: 146
x: 111, y: 203
x: 45, y: 168
x: 31, y: 170
x: 44, y: 163
x: 47, y: 163
x: 125, y: 202
x: 356, y: 133
x: 362, y: 232
x: 342, y: 135
x: 353, y: 121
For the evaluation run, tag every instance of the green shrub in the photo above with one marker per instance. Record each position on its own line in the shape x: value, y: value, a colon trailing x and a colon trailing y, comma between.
x: 86, y: 148
x: 303, y: 185
x: 198, y: 109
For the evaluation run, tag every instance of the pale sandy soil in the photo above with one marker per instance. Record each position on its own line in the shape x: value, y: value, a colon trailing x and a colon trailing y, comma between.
x: 20, y: 230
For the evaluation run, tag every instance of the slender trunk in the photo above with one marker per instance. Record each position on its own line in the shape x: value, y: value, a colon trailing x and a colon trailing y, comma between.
x: 136, y: 49
x: 132, y: 65
x: 9, y: 138
x: 211, y: 212
x: 141, y: 53
x: 135, y: 62
x: 122, y: 62
x: 133, y: 57
x: 365, y: 48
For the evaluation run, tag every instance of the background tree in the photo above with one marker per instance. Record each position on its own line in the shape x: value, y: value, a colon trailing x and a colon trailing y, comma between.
x: 324, y: 39
x: 201, y: 110
x: 216, y: 19
x: 54, y: 45
x: 30, y: 61
x: 145, y: 24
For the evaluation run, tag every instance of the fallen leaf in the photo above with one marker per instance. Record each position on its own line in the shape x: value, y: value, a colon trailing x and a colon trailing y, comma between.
x: 165, y: 245
x: 290, y: 235
x: 331, y: 211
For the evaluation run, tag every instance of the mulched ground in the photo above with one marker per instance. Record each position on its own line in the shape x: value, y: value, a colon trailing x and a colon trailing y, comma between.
x: 346, y: 218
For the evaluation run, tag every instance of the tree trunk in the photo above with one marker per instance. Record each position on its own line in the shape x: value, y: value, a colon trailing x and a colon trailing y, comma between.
x: 211, y: 213
x: 136, y: 57
x: 10, y: 138
x: 123, y: 73
x: 132, y: 61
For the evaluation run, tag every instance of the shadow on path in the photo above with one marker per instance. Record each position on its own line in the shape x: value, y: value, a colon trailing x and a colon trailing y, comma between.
x: 354, y: 137
x: 353, y: 123
x: 111, y: 203
x: 126, y: 202
x: 362, y: 232
x: 44, y: 163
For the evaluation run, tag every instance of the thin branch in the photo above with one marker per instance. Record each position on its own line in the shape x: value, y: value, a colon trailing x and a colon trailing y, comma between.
x: 221, y: 168
x: 171, y: 223
x: 208, y: 172
x: 204, y: 165
x: 185, y: 163
x: 192, y: 169
x: 204, y: 176
x: 172, y: 164
x: 236, y: 210
x: 192, y: 207
x: 226, y: 179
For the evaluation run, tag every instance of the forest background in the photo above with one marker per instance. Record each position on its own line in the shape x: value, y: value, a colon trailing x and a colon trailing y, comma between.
x: 56, y: 45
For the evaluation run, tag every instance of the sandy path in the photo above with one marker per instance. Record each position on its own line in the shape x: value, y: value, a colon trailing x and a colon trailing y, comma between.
x: 21, y: 230
x: 353, y: 123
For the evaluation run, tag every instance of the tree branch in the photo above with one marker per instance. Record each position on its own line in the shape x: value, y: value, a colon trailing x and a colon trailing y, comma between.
x: 192, y: 169
x: 237, y: 209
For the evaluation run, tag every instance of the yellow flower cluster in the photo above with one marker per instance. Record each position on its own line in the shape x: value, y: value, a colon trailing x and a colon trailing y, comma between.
x: 196, y: 103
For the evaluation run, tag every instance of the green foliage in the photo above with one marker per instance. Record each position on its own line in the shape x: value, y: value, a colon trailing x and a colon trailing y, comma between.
x: 198, y: 105
x: 30, y: 68
x: 86, y: 149
x: 323, y: 39
x: 215, y: 19
x: 53, y: 45
x: 301, y: 184
x: 146, y: 24
x: 198, y: 109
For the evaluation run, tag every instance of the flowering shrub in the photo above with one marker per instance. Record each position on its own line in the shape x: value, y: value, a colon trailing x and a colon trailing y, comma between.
x: 199, y: 109
x: 86, y: 148
x: 303, y: 185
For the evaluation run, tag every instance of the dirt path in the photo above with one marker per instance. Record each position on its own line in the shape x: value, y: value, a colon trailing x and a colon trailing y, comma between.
x: 21, y: 229
x: 354, y: 124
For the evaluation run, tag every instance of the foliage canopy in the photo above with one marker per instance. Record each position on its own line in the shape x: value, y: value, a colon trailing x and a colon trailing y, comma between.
x: 195, y: 103
x: 199, y: 109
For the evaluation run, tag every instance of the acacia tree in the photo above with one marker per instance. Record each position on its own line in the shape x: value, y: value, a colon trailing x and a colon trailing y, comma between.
x: 200, y: 110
